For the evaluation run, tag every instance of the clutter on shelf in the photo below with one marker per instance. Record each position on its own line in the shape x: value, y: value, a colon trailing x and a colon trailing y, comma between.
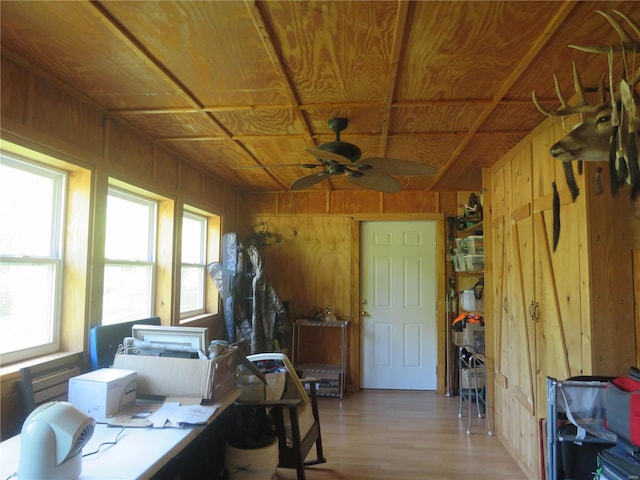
x: 468, y: 330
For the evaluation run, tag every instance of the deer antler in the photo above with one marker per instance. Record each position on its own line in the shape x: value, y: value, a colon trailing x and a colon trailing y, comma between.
x: 626, y: 42
x: 582, y: 105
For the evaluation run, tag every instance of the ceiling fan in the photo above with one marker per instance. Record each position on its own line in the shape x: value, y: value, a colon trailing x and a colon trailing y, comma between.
x: 343, y: 158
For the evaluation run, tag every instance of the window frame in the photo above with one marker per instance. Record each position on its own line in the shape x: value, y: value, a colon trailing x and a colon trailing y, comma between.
x: 212, y: 298
x: 151, y: 259
x: 55, y: 257
x: 204, y: 220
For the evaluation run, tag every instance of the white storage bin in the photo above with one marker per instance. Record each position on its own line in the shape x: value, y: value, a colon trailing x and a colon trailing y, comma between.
x: 461, y: 245
x: 475, y: 245
x: 474, y: 263
x: 459, y: 264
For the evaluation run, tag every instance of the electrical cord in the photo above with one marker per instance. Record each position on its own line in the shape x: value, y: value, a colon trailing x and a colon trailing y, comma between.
x: 105, y: 443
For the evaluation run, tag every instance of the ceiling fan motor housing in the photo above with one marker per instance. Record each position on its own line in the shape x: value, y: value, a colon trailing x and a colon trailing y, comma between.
x: 348, y: 150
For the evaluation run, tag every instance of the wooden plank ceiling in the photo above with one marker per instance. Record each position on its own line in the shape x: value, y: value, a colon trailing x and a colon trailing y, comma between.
x: 236, y: 84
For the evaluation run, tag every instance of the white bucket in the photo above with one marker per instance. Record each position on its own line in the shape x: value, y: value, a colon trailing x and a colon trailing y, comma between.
x: 252, y: 463
x: 468, y: 300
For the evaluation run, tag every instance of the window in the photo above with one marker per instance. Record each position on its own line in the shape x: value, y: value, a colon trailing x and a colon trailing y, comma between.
x: 193, y: 271
x: 32, y: 209
x: 130, y: 245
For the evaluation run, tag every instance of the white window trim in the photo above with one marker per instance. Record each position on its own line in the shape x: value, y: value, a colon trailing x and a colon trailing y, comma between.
x: 56, y: 257
x: 151, y: 248
x: 203, y: 258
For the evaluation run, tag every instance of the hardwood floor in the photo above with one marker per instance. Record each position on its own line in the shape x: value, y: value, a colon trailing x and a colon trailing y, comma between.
x: 405, y: 435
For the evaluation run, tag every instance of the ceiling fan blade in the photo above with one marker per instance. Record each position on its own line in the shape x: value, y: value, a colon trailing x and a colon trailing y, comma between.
x: 324, y: 155
x: 309, y: 180
x: 301, y: 165
x: 380, y: 182
x: 395, y: 166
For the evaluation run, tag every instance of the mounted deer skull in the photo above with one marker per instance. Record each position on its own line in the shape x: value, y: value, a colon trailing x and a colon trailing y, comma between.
x: 591, y: 137
x: 610, y: 129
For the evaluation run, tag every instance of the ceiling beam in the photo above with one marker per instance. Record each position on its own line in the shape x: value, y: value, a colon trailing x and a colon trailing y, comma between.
x: 266, y: 35
x: 399, y: 39
x: 101, y: 12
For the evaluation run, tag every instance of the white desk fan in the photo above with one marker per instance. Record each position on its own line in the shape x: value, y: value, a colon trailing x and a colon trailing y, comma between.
x: 53, y: 436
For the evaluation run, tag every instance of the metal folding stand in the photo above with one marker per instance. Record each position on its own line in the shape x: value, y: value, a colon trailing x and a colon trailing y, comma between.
x: 580, y: 401
x: 474, y: 364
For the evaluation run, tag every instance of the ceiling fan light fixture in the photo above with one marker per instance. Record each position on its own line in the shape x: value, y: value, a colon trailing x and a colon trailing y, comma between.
x: 335, y: 168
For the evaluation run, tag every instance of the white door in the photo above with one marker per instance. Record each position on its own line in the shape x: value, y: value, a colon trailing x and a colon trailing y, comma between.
x: 398, y: 305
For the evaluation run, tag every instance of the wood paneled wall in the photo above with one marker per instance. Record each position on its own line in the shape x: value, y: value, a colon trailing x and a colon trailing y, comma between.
x: 39, y: 115
x: 317, y: 262
x: 555, y: 312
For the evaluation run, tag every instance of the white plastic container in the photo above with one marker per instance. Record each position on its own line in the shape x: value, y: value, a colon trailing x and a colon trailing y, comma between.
x: 475, y: 245
x: 474, y: 263
x: 458, y: 263
x: 468, y: 300
x: 461, y: 245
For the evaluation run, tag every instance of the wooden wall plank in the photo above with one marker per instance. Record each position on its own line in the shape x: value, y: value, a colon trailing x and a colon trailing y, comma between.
x: 610, y: 284
x: 13, y: 100
x: 191, y: 180
x: 166, y: 169
x: 61, y: 115
x: 303, y: 203
x: 355, y: 201
x: 262, y: 203
x: 129, y: 151
x: 311, y: 266
x: 214, y: 194
x: 411, y: 201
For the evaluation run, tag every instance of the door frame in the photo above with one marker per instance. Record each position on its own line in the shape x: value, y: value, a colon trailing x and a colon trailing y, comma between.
x: 355, y: 329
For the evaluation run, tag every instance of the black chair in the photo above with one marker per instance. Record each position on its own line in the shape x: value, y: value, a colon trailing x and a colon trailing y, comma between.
x: 295, y: 416
x: 104, y: 340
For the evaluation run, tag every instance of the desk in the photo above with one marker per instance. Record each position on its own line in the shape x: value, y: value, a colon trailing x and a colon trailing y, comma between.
x: 139, y: 454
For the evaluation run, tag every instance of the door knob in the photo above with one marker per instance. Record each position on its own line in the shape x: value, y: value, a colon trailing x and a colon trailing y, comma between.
x: 363, y: 301
x: 364, y: 314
